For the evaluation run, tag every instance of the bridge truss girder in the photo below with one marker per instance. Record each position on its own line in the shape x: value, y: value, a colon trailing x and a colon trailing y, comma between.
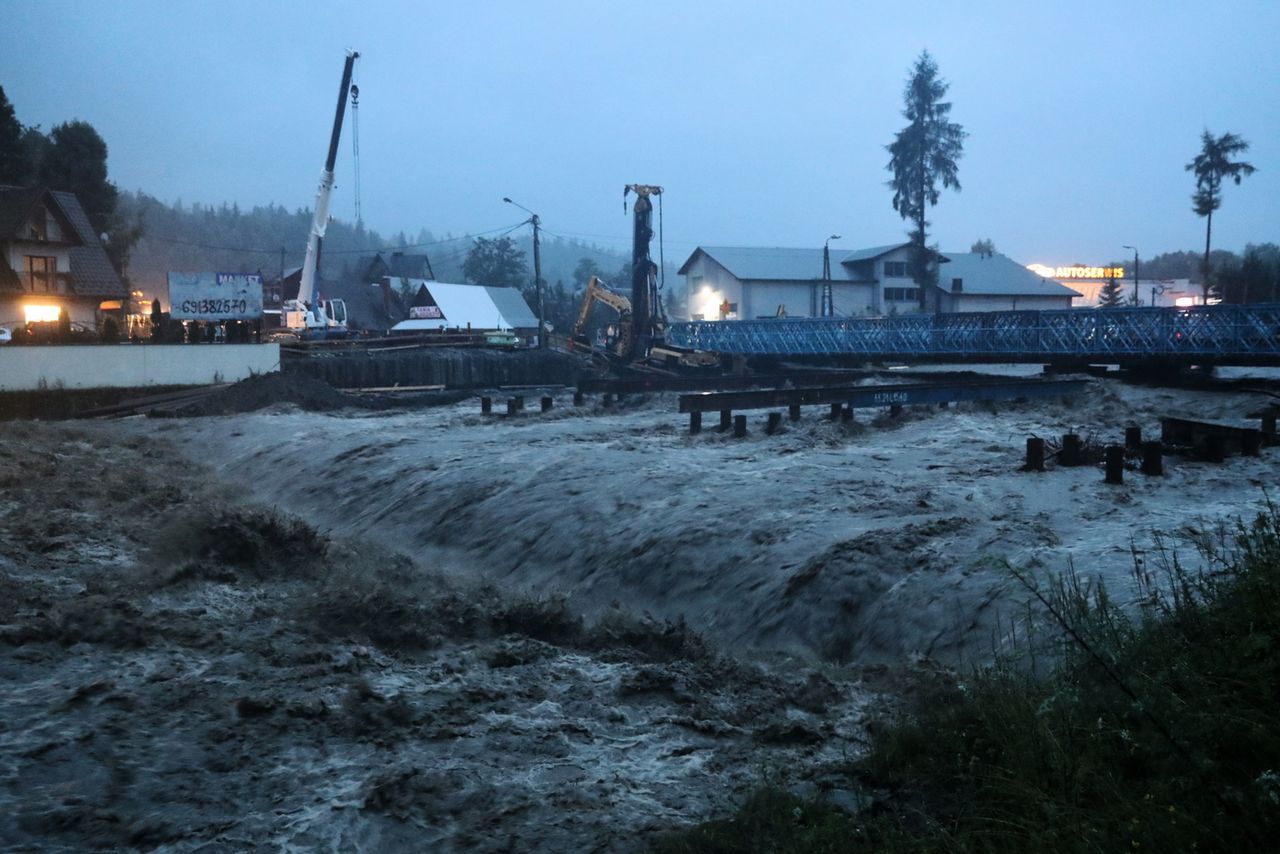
x: 1222, y: 334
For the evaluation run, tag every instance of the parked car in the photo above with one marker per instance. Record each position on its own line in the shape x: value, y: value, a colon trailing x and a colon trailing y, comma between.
x: 6, y: 335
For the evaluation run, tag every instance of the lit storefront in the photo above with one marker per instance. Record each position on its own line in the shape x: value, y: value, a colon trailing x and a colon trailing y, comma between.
x: 1089, y: 281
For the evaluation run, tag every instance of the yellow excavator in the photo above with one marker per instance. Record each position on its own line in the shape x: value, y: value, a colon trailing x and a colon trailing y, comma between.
x: 619, y: 342
x: 638, y: 340
x: 618, y: 339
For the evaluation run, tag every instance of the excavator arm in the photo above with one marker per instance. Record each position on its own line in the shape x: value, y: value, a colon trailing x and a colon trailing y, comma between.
x: 597, y: 291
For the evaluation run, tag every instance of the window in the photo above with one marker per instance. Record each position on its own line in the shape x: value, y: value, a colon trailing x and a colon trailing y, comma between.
x: 957, y: 285
x: 37, y: 225
x: 901, y: 294
x: 42, y: 274
x: 895, y: 269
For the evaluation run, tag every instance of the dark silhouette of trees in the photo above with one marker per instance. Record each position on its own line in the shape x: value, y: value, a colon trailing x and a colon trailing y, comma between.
x: 985, y: 247
x: 1255, y: 278
x: 1210, y: 166
x: 495, y: 261
x: 76, y: 161
x: 582, y: 273
x: 923, y: 156
x: 15, y: 164
x: 1110, y: 296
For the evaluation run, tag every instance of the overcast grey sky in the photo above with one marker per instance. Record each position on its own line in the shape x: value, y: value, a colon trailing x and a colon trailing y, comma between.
x: 765, y: 122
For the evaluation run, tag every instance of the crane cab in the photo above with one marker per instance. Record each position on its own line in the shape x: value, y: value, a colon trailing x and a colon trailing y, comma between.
x: 327, y: 320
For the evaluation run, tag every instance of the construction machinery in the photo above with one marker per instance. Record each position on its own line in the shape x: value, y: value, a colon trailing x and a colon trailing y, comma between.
x: 637, y: 340
x: 309, y: 316
x: 618, y: 342
x: 648, y: 320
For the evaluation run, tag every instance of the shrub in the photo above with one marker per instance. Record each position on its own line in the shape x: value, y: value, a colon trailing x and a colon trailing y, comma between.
x: 1155, y: 730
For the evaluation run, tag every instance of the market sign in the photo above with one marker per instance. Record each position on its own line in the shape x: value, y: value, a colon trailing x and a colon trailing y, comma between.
x: 1076, y: 272
x: 425, y: 312
x: 215, y: 296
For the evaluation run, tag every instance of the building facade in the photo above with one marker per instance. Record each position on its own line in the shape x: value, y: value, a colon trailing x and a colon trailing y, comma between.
x: 738, y: 283
x: 1089, y: 281
x: 51, y: 262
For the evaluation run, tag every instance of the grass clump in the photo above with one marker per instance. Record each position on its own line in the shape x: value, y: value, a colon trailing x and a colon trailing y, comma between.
x: 1151, y: 729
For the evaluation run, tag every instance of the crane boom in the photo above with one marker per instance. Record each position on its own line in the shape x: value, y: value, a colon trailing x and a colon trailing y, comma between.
x: 320, y: 219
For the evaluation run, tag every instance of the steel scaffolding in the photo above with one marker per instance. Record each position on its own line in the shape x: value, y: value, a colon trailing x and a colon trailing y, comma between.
x: 1223, y: 334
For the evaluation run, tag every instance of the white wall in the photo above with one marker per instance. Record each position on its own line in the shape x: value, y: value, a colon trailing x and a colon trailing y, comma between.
x: 717, y: 285
x: 24, y: 368
x: 999, y: 302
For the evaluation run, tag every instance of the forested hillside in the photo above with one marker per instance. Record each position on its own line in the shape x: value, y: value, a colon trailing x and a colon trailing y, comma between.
x: 269, y: 238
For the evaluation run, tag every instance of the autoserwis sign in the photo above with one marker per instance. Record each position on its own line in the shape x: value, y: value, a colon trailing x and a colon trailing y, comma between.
x: 215, y: 296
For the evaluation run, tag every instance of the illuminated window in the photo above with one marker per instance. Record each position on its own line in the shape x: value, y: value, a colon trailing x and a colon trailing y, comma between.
x: 895, y: 269
x: 41, y: 313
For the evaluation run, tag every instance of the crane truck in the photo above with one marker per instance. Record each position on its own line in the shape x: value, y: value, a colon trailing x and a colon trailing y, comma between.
x: 308, y: 316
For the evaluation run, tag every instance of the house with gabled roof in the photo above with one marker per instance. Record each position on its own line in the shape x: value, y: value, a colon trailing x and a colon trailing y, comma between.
x: 396, y: 265
x: 739, y: 283
x: 51, y: 261
x: 977, y: 281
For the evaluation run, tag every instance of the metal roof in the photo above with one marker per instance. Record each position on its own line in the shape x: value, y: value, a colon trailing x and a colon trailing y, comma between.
x: 477, y: 306
x: 996, y: 275
x: 91, y: 270
x: 774, y: 263
x: 397, y: 265
x: 870, y: 254
x: 515, y: 311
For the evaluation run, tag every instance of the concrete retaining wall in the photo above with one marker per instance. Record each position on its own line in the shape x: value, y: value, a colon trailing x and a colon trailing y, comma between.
x: 26, y: 368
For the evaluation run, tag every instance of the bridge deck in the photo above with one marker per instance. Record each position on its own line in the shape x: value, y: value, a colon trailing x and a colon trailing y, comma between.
x: 1218, y: 334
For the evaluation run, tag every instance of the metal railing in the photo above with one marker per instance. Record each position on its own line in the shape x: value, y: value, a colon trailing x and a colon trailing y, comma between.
x: 1246, y: 334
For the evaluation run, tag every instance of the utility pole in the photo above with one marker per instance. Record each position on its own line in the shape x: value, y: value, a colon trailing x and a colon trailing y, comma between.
x: 536, y: 222
x: 828, y: 306
x: 537, y: 280
x: 1136, y: 299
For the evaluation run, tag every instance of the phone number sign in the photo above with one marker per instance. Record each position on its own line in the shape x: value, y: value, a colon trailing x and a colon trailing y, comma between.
x: 215, y: 296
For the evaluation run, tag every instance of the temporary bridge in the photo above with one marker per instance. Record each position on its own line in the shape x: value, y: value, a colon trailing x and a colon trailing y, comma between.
x: 1216, y: 334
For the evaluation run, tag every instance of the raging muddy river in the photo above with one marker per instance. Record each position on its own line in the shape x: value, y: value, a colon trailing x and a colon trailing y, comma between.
x: 433, y: 630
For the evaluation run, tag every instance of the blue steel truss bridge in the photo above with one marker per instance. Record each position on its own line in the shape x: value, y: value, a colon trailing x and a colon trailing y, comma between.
x: 1200, y: 335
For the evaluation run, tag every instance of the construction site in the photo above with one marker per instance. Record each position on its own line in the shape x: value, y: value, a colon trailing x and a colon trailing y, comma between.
x: 476, y: 583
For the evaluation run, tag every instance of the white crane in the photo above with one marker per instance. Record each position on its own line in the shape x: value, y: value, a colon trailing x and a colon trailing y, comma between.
x: 307, y: 315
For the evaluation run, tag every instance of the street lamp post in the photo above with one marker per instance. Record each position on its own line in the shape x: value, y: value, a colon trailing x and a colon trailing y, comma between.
x: 828, y: 307
x: 1136, y: 300
x: 537, y: 270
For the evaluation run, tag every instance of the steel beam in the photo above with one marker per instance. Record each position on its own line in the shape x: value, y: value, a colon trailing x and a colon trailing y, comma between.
x: 1221, y: 334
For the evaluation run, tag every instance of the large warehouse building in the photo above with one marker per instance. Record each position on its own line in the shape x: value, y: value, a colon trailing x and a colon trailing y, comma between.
x: 738, y: 283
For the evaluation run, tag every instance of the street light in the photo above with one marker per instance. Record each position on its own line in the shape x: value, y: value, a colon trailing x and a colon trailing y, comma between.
x: 828, y: 309
x: 1136, y: 301
x: 537, y: 269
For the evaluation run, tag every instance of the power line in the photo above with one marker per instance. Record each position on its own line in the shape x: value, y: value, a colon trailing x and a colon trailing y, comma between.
x: 248, y: 249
